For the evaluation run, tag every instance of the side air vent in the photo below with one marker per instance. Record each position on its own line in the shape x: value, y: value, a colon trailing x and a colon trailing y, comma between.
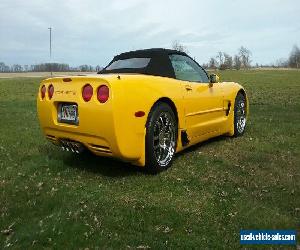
x: 228, y: 108
x: 184, y: 138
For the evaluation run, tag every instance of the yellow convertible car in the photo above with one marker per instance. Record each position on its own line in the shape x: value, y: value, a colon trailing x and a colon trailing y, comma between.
x: 142, y: 108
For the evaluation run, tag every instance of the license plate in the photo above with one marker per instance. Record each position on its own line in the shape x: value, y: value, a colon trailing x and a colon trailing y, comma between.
x: 68, y: 113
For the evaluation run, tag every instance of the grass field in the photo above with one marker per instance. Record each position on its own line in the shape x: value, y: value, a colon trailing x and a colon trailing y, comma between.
x: 55, y: 199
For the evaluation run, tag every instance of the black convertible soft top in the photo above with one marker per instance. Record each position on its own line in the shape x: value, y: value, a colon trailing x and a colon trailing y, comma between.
x: 159, y: 65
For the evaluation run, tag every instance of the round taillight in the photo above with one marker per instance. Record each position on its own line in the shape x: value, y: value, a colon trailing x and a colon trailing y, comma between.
x: 50, y: 91
x: 103, y: 93
x: 87, y: 92
x: 43, y: 91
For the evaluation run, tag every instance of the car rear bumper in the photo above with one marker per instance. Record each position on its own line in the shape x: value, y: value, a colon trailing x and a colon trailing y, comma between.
x: 66, y: 139
x: 96, y: 132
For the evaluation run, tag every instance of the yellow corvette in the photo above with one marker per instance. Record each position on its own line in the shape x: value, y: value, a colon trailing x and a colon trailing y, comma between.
x: 142, y: 108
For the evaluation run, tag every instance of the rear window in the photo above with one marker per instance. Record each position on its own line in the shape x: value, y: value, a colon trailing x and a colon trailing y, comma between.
x: 130, y: 63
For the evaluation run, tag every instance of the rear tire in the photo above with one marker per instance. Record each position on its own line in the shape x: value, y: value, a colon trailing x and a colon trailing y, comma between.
x: 161, y: 138
x: 240, y: 114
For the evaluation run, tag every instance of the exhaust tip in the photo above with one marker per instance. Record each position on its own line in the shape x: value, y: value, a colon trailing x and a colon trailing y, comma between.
x: 72, y: 146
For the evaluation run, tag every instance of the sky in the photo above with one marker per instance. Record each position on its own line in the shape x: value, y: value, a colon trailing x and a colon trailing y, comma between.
x: 93, y: 31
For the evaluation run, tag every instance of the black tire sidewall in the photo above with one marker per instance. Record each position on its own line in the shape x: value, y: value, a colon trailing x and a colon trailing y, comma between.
x: 238, y: 98
x: 151, y: 163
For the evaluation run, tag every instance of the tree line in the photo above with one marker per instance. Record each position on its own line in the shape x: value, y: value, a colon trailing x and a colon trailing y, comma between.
x: 222, y: 61
x: 242, y: 60
x: 293, y: 60
x: 47, y: 67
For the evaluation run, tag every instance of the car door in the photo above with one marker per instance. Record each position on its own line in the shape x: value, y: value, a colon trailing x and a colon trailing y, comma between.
x: 203, y: 102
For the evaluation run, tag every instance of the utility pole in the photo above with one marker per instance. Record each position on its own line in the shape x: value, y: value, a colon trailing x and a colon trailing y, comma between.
x: 50, y: 30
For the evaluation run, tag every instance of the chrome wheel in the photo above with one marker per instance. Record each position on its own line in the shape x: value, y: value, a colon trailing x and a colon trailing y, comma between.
x: 240, y: 116
x: 164, y: 138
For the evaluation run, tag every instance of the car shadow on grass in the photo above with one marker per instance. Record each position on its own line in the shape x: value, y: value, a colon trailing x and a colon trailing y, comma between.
x: 203, y: 144
x: 87, y: 161
x: 111, y: 167
x: 105, y: 166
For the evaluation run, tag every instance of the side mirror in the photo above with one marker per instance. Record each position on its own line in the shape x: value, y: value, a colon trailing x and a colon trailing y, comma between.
x: 213, y: 79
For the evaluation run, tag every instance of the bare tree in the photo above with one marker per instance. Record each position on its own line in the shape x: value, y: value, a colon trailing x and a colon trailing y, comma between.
x: 281, y: 63
x: 46, y: 67
x: 16, y: 68
x: 224, y: 61
x: 237, y: 62
x: 228, y: 61
x: 2, y: 67
x: 212, y: 63
x: 294, y: 59
x: 98, y: 68
x: 205, y: 65
x: 220, y: 58
x: 180, y: 47
x: 86, y: 68
x: 244, y: 55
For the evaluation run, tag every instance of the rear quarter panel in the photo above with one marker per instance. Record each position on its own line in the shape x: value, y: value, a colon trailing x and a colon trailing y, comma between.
x: 139, y: 93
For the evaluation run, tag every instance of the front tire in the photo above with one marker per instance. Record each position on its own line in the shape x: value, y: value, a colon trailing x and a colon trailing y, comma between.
x: 161, y: 138
x: 240, y: 114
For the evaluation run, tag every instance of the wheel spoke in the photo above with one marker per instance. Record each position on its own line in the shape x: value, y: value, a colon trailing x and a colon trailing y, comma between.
x: 158, y: 126
x: 240, y: 116
x: 164, y: 139
x: 161, y: 122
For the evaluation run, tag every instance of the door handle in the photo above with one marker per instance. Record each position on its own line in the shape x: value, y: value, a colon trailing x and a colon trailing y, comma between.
x: 188, y: 87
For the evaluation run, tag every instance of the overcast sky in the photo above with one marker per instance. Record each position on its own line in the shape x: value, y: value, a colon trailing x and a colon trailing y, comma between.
x: 93, y: 31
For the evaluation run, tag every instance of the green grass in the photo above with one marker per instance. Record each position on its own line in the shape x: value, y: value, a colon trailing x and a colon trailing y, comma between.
x: 55, y: 199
